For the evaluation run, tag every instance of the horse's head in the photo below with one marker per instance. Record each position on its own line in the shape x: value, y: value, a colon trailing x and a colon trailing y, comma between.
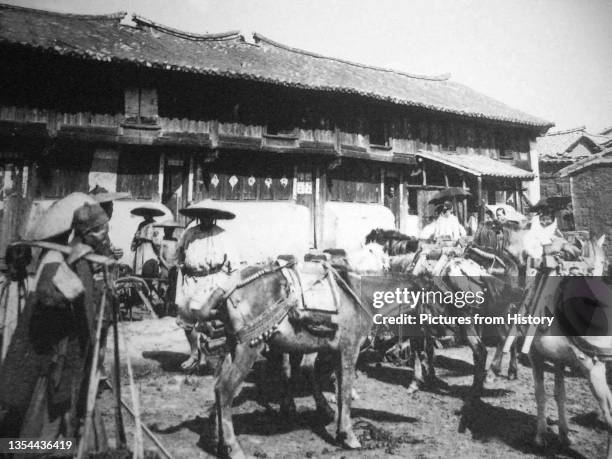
x: 508, y: 237
x: 376, y: 235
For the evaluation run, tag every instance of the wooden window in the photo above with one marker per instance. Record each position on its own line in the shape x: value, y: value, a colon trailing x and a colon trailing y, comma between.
x: 281, y: 128
x: 379, y: 133
x: 506, y: 146
x: 355, y: 181
x: 266, y: 179
x: 13, y: 177
x: 64, y: 171
x: 138, y: 173
x: 141, y: 106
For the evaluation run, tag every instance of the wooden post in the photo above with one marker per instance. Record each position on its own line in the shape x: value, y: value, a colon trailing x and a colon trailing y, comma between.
x: 317, y: 207
x: 403, y: 204
x: 424, y: 175
x: 295, y: 180
x: 517, y: 197
x: 465, y: 206
x: 190, y: 180
x: 322, y: 177
x: 160, y: 184
x: 481, y: 209
x: 382, y: 186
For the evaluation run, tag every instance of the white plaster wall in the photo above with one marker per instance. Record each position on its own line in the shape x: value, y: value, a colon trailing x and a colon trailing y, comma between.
x: 347, y: 223
x: 264, y: 230
x: 104, y: 169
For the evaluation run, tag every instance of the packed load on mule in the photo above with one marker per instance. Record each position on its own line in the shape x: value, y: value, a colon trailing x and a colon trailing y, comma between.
x: 53, y: 360
x: 205, y: 260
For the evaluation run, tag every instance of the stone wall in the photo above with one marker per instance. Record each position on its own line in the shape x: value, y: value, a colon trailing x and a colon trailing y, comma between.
x: 592, y: 202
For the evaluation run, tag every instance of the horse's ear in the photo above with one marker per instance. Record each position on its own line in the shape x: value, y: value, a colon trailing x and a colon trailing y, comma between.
x: 601, y: 240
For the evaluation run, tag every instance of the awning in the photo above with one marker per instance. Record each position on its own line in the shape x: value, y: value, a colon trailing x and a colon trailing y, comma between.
x: 477, y: 165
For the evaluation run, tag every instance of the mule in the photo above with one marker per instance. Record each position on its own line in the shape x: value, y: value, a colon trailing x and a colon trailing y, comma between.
x: 260, y: 289
x: 555, y: 346
x: 510, y: 247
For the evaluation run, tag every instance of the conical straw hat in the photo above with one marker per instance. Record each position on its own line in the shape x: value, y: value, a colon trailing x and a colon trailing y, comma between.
x: 57, y: 219
x: 511, y: 212
x: 145, y: 210
x: 207, y: 209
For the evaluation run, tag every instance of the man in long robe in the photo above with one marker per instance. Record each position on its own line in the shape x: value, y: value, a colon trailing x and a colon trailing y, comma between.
x: 446, y: 228
x: 43, y: 381
x: 206, y: 258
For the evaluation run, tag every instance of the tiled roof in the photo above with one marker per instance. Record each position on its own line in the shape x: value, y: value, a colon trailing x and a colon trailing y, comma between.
x: 103, y: 38
x: 603, y: 158
x: 558, y: 146
x: 480, y: 166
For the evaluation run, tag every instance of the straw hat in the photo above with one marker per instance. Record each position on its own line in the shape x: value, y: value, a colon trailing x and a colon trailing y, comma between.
x: 207, y: 209
x: 146, y: 210
x: 101, y: 194
x: 170, y: 223
x: 57, y: 219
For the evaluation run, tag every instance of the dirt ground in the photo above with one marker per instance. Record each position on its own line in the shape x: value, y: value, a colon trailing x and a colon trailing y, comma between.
x: 390, y: 422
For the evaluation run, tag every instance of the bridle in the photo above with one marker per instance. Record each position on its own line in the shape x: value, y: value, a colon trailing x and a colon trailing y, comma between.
x: 256, y: 275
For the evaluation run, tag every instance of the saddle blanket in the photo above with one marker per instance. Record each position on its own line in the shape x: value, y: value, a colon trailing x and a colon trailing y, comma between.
x: 315, y: 286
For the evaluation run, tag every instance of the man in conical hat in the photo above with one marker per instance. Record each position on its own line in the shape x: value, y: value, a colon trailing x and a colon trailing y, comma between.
x: 206, y: 257
x: 168, y: 258
x: 106, y: 199
x: 44, y: 377
x: 146, y: 240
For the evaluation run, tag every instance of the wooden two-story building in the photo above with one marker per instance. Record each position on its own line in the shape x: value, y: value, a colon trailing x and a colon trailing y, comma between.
x: 307, y: 150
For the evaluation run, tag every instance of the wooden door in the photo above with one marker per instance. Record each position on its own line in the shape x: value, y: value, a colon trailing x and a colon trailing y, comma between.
x: 425, y: 210
x: 176, y: 174
x: 305, y: 195
x: 392, y: 200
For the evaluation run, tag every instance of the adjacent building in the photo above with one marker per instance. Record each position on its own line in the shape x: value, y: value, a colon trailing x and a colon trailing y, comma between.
x: 307, y: 150
x: 591, y: 187
x: 560, y: 149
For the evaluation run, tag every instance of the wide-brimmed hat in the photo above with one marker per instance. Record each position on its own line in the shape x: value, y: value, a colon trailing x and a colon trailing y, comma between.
x: 147, y: 210
x: 550, y: 204
x: 57, y: 219
x: 170, y: 223
x: 101, y: 194
x: 510, y: 212
x: 207, y: 209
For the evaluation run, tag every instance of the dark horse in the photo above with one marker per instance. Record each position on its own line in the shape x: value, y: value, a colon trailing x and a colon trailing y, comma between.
x: 258, y: 293
x: 394, y: 242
